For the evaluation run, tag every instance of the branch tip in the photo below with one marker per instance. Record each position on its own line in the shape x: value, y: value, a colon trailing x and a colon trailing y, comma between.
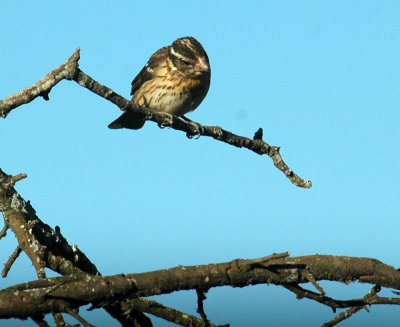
x: 258, y: 135
x: 18, y: 177
x: 191, y: 128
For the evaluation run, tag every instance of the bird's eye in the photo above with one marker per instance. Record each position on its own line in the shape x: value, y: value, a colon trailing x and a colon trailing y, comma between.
x: 187, y: 63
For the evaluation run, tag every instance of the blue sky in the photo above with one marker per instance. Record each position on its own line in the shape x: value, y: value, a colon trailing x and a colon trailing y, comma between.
x: 321, y: 78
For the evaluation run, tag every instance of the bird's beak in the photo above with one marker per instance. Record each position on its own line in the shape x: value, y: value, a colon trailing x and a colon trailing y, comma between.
x: 202, y: 65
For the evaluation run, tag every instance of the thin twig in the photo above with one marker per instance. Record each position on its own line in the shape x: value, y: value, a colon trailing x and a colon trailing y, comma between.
x: 74, y: 314
x: 18, y: 177
x: 10, y: 261
x: 60, y: 322
x: 307, y: 275
x: 349, y: 312
x: 169, y: 314
x: 270, y: 257
x: 3, y: 231
x: 201, y: 296
x: 39, y: 320
x: 303, y: 293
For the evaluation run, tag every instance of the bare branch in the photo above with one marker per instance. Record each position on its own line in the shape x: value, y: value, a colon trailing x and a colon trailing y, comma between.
x: 75, y: 314
x: 3, y: 231
x: 42, y: 87
x: 39, y: 320
x: 60, y: 322
x: 121, y: 295
x: 269, y: 258
x: 10, y: 261
x: 192, y: 128
x: 46, y: 247
x: 311, y: 279
x: 333, y: 303
x: 201, y: 296
x: 18, y: 177
x: 348, y: 313
x: 69, y: 292
x: 237, y: 273
x: 69, y: 70
x: 169, y: 314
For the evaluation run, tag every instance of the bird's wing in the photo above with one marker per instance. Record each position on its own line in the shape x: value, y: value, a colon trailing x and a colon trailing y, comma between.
x: 147, y: 73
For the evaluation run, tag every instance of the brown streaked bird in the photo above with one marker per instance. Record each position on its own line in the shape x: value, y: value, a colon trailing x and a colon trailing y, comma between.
x: 175, y: 80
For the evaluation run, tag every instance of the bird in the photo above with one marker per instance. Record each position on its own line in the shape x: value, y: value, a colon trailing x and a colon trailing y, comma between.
x: 175, y: 80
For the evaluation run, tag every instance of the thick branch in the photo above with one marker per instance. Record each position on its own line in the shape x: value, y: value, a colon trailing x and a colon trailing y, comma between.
x: 53, y: 294
x: 45, y: 246
x: 10, y: 261
x: 118, y: 293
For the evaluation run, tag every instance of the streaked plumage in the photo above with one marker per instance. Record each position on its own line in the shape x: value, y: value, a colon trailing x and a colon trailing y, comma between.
x: 175, y: 80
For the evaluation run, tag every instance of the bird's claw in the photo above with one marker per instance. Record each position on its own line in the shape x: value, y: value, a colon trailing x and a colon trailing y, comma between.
x: 168, y: 121
x: 198, y: 130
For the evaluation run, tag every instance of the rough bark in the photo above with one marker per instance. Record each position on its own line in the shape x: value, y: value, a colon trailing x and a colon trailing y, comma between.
x: 122, y: 295
x: 70, y: 71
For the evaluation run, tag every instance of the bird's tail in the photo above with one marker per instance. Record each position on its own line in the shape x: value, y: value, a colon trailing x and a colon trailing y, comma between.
x: 128, y: 120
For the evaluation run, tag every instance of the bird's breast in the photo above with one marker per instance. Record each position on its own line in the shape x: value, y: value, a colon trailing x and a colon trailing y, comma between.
x: 168, y: 95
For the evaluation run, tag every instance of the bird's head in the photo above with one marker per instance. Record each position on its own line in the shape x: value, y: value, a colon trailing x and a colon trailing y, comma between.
x: 189, y: 57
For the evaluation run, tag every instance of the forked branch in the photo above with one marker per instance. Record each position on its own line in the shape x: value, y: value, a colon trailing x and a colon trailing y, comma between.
x: 70, y: 71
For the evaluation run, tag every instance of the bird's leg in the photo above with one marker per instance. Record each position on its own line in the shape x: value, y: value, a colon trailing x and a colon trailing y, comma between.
x: 168, y: 121
x: 198, y: 129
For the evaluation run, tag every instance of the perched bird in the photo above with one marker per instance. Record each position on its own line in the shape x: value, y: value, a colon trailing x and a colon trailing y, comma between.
x: 175, y: 80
